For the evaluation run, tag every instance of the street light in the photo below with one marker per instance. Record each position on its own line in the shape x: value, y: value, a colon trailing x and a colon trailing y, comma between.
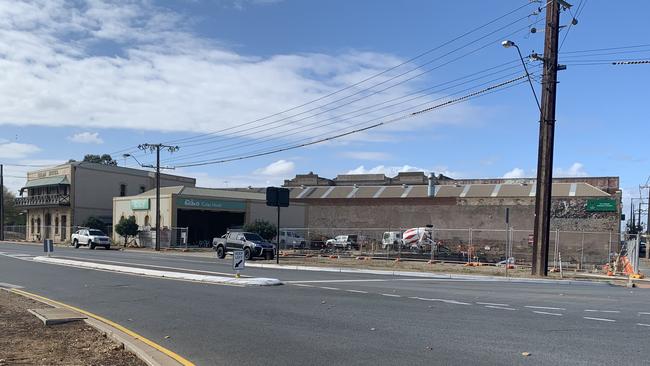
x: 508, y: 44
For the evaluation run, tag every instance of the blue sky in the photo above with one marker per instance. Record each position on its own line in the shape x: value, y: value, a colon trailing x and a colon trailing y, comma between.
x: 102, y: 77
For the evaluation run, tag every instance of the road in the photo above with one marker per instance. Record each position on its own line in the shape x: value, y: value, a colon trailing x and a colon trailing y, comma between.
x: 323, y: 318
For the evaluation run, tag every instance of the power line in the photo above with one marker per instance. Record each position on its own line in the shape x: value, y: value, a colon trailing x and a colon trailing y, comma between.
x: 608, y: 48
x: 301, y: 129
x: 413, y: 114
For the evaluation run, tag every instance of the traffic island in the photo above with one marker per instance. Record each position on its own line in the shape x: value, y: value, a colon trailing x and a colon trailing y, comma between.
x: 26, y: 340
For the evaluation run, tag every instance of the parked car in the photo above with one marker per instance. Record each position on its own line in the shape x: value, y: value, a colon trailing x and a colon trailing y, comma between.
x: 391, y: 239
x: 252, y: 244
x: 91, y: 238
x: 291, y: 239
x: 343, y: 242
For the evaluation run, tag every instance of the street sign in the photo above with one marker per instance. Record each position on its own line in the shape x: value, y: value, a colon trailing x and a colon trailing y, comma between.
x: 277, y: 197
x: 48, y: 246
x: 238, y: 260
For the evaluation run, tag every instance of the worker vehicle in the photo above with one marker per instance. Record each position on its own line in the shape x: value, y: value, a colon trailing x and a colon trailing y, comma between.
x: 90, y: 237
x: 391, y: 239
x: 252, y: 244
x: 291, y: 239
x: 348, y: 242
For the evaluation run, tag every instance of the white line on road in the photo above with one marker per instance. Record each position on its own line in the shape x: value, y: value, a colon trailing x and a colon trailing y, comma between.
x: 301, y: 285
x: 546, y: 313
x: 643, y: 325
x: 391, y: 295
x: 544, y: 307
x: 643, y: 313
x: 330, y: 288
x: 599, y: 319
x: 602, y: 311
x: 492, y: 303
x: 498, y: 307
x: 441, y: 300
x: 357, y: 291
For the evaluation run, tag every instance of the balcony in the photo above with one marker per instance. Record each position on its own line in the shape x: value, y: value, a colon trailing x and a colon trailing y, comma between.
x: 43, y: 200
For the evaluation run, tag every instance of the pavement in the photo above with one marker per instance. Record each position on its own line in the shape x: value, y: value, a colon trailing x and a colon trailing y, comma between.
x: 324, y: 318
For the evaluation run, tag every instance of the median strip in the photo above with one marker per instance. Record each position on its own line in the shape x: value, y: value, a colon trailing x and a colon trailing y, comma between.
x: 256, y: 281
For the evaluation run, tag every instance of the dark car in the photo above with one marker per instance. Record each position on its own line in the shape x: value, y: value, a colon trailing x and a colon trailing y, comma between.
x: 252, y: 244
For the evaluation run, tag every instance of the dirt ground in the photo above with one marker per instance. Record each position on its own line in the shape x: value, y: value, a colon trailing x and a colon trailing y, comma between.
x: 24, y: 340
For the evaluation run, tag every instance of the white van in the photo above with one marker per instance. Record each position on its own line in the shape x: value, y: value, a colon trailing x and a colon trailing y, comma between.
x: 291, y: 239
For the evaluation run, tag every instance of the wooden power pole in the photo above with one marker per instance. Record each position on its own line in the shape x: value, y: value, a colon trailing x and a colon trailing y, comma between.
x: 546, y: 137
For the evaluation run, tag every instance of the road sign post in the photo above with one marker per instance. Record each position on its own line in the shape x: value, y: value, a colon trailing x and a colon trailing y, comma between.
x: 238, y: 261
x: 277, y: 197
x: 48, y: 246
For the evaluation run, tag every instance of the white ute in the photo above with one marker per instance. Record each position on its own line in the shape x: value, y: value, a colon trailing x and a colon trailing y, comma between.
x: 91, y: 238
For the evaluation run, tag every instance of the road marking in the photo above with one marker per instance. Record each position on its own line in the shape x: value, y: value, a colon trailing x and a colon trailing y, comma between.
x: 9, y: 285
x: 602, y: 311
x: 544, y: 307
x: 643, y: 313
x: 441, y: 300
x: 301, y: 285
x: 335, y: 281
x: 330, y: 288
x: 643, y: 325
x: 380, y: 280
x: 599, y: 319
x: 180, y: 359
x: 391, y: 295
x: 546, y: 313
x: 357, y: 291
x: 498, y: 307
x: 492, y: 303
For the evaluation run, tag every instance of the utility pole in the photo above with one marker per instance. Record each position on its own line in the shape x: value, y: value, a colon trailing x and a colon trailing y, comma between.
x: 157, y: 147
x: 546, y: 141
x: 2, y: 203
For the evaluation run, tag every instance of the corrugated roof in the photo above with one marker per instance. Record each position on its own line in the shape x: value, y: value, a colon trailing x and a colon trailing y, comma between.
x: 49, y: 181
x: 461, y: 191
x: 206, y: 192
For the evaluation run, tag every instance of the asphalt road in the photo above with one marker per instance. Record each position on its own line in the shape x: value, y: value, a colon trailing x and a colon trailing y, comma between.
x: 324, y: 318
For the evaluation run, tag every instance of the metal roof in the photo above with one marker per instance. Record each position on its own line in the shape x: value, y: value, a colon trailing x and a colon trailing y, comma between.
x: 513, y: 190
x: 205, y: 192
x: 49, y: 181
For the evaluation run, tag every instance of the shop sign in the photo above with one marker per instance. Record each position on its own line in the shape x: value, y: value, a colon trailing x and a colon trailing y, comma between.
x: 140, y: 204
x: 601, y: 205
x: 210, y: 204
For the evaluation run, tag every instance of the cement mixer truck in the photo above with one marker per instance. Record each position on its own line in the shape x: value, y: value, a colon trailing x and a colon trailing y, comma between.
x: 418, y: 239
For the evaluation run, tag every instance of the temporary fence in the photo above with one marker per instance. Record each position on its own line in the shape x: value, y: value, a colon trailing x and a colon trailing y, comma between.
x: 580, y: 250
x: 175, y: 237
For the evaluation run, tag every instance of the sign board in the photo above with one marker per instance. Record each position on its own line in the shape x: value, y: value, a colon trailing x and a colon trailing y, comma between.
x: 601, y: 205
x: 140, y: 204
x: 48, y: 246
x: 210, y: 204
x: 238, y: 260
x: 277, y: 197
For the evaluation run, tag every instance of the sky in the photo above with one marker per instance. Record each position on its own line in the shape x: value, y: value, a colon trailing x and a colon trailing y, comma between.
x: 226, y: 79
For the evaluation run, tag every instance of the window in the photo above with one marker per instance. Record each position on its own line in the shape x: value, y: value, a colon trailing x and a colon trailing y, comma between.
x: 64, y: 228
x: 146, y: 220
x: 122, y: 190
x: 56, y: 225
x: 142, y: 189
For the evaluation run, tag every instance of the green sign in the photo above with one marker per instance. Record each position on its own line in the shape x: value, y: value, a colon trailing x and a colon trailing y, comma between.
x: 210, y: 204
x: 140, y: 204
x: 601, y: 205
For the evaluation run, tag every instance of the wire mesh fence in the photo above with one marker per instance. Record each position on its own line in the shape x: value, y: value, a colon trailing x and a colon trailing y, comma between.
x: 581, y: 250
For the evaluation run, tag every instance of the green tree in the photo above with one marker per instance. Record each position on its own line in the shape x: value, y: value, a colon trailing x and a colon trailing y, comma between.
x: 95, y: 223
x: 264, y: 228
x: 104, y: 159
x: 13, y: 216
x: 126, y: 227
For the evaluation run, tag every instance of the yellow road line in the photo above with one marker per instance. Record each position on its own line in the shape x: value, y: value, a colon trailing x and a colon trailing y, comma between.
x: 180, y: 359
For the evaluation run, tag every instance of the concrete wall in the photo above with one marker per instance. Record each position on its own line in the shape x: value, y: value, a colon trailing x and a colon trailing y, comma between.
x: 292, y: 216
x: 122, y: 208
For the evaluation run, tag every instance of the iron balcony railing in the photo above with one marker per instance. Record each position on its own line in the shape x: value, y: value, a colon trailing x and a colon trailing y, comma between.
x: 43, y: 200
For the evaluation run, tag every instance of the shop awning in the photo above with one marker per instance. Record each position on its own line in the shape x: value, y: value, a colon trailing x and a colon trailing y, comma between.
x: 49, y: 181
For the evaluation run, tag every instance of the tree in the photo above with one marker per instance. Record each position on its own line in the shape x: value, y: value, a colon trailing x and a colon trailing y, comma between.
x: 264, y: 228
x: 13, y: 216
x: 127, y: 227
x: 104, y: 159
x: 95, y: 223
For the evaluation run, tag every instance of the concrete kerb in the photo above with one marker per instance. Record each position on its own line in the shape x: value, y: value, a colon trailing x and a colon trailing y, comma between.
x: 424, y: 274
x: 255, y: 281
x: 133, y: 343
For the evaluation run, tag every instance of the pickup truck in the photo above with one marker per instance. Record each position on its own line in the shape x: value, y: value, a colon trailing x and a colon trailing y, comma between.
x: 343, y: 242
x: 252, y: 244
x: 91, y: 238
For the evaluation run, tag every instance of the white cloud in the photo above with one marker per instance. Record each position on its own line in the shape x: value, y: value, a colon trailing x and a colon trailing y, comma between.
x: 86, y: 138
x: 386, y: 170
x: 160, y: 75
x: 575, y: 170
x: 366, y: 155
x: 515, y: 173
x: 277, y: 169
x: 16, y: 150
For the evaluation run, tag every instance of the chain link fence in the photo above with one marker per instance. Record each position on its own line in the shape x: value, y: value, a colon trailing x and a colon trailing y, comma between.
x: 580, y: 250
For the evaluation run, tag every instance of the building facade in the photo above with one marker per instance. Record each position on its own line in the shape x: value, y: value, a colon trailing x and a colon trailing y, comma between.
x: 60, y: 198
x: 201, y: 213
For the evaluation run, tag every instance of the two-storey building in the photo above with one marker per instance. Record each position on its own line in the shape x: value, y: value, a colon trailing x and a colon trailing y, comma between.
x: 59, y: 198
